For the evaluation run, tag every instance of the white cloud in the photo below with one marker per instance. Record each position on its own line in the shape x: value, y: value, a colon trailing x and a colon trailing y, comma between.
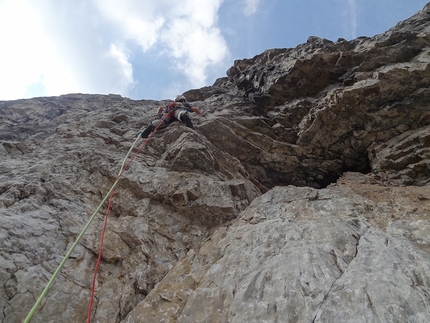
x: 86, y: 46
x: 26, y: 57
x: 251, y: 7
x: 137, y: 20
x: 56, y: 48
x: 194, y: 40
x: 125, y: 69
x: 186, y: 31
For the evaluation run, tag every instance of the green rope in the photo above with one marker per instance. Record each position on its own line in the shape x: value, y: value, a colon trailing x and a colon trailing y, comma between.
x: 60, y: 266
x: 126, y: 156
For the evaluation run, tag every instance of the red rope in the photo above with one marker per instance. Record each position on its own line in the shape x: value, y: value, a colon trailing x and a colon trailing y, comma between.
x: 106, y: 218
x: 99, y: 257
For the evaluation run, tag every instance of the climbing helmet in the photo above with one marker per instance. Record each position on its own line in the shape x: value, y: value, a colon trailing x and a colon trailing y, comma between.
x: 180, y: 98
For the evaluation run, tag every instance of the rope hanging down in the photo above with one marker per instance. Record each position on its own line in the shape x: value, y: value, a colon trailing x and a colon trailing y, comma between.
x: 102, y: 239
x: 109, y: 193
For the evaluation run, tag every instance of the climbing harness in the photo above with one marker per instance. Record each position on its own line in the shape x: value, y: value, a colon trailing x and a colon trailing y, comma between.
x: 108, y: 194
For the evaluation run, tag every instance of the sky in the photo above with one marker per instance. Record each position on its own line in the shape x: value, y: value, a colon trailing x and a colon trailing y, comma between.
x: 156, y: 49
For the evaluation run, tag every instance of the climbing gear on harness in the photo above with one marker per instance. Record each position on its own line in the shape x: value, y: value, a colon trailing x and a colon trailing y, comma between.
x: 179, y: 113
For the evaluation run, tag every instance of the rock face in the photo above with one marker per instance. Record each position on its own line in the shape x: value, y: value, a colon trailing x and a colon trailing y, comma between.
x: 306, y: 255
x: 301, y: 194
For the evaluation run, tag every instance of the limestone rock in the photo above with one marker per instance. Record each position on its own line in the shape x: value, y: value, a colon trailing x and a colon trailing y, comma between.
x: 335, y: 99
x: 301, y: 255
x: 300, y: 195
x: 171, y: 198
x: 405, y: 157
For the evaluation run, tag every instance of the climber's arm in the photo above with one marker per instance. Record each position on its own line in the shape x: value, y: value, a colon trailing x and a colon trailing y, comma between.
x: 195, y: 110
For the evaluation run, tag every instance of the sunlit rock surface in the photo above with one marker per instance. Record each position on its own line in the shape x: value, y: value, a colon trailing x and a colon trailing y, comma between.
x: 301, y: 194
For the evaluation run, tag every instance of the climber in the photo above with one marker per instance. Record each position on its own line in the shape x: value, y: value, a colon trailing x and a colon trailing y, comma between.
x: 177, y: 110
